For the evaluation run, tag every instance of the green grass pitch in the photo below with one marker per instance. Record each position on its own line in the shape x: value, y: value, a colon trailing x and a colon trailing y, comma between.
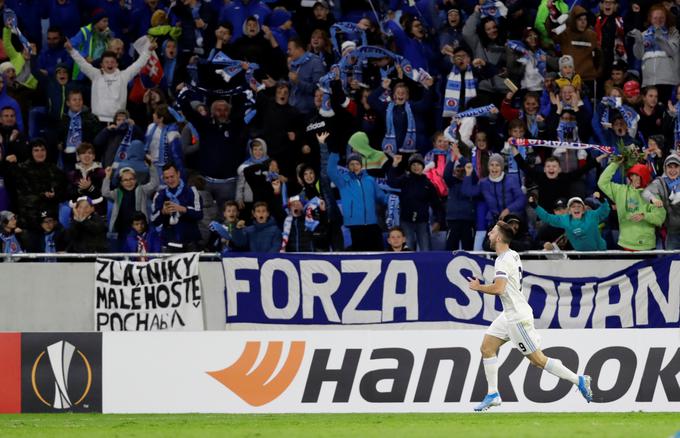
x: 539, y: 425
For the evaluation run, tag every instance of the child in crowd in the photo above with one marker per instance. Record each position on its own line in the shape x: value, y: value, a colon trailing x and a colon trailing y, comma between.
x: 396, y: 240
x: 221, y: 239
x: 567, y: 74
x: 263, y: 235
x: 142, y: 239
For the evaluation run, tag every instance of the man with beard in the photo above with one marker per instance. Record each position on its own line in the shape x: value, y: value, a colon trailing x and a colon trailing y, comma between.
x: 516, y: 322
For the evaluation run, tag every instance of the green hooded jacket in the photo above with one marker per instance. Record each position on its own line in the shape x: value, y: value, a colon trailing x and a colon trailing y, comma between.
x: 638, y: 236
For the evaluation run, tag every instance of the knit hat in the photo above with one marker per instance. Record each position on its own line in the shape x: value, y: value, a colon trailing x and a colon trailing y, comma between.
x: 354, y: 157
x: 575, y: 199
x: 416, y: 158
x: 6, y: 66
x: 98, y: 15
x: 631, y: 89
x: 348, y: 45
x: 566, y: 60
x: 497, y: 158
x: 322, y: 3
x: 512, y: 218
x: 672, y: 159
x: 6, y: 216
x: 643, y: 172
x: 159, y: 18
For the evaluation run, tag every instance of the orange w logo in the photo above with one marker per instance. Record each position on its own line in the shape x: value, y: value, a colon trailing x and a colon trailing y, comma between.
x: 259, y: 387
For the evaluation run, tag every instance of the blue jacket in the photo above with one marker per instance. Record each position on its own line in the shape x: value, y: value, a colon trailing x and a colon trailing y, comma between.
x: 66, y: 16
x: 153, y: 242
x: 186, y: 229
x: 236, y: 13
x: 459, y: 206
x: 498, y: 196
x: 264, y: 237
x: 49, y: 58
x: 422, y: 54
x: 7, y: 100
x: 583, y: 234
x: 359, y: 193
x: 302, y: 92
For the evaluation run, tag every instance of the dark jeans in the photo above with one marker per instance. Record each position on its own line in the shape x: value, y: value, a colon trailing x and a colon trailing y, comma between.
x: 460, y: 233
x: 366, y: 238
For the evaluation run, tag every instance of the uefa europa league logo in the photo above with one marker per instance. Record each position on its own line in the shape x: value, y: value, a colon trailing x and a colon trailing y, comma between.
x: 60, y: 356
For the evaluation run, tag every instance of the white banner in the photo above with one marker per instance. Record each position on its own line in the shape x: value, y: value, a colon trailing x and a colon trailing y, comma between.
x: 381, y: 371
x: 163, y: 294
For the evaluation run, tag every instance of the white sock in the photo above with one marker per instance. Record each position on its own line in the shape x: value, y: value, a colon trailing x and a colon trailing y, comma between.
x: 491, y: 371
x: 555, y: 367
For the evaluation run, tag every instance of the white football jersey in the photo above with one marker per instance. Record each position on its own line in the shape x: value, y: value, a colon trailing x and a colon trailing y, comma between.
x: 515, y: 306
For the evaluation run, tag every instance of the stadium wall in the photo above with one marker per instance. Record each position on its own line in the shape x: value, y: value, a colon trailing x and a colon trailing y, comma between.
x: 329, y: 372
x: 60, y: 296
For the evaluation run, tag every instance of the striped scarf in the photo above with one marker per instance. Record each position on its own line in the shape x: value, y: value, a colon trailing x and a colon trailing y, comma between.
x: 389, y: 145
x: 454, y: 84
x: 75, y: 132
x: 559, y: 144
x: 676, y: 131
x: 649, y: 39
x: 352, y: 33
x: 10, y: 244
x: 528, y: 56
x: 124, y: 145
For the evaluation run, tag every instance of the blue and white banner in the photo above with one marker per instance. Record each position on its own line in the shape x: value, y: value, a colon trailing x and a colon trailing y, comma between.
x: 348, y: 289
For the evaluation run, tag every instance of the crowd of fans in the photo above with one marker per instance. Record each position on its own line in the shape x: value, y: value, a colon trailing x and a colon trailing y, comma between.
x: 301, y: 126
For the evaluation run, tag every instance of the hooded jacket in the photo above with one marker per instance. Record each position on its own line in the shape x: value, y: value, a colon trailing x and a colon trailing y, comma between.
x: 659, y: 189
x: 499, y: 195
x: 243, y: 191
x: 359, y: 193
x: 584, y: 46
x: 638, y: 236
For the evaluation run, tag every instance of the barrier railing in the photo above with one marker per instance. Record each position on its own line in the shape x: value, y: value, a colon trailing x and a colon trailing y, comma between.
x: 40, y: 257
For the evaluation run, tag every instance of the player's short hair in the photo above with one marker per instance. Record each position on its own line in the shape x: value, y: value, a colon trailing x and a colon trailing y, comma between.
x: 506, y: 231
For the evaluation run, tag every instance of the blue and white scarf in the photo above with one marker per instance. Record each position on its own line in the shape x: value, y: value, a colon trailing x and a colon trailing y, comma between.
x: 554, y: 144
x: 10, y: 244
x: 163, y: 149
x: 221, y: 229
x: 124, y: 145
x: 532, y: 123
x: 10, y: 20
x: 173, y: 197
x: 75, y: 132
x: 493, y: 9
x: 392, y: 218
x: 454, y: 84
x: 198, y: 33
x: 676, y: 131
x: 326, y: 109
x: 649, y: 39
x: 673, y: 188
x: 302, y: 60
x: 389, y: 145
x: 630, y: 116
x: 567, y: 131
x: 310, y: 208
x: 352, y: 32
x: 476, y: 112
x: 528, y: 56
